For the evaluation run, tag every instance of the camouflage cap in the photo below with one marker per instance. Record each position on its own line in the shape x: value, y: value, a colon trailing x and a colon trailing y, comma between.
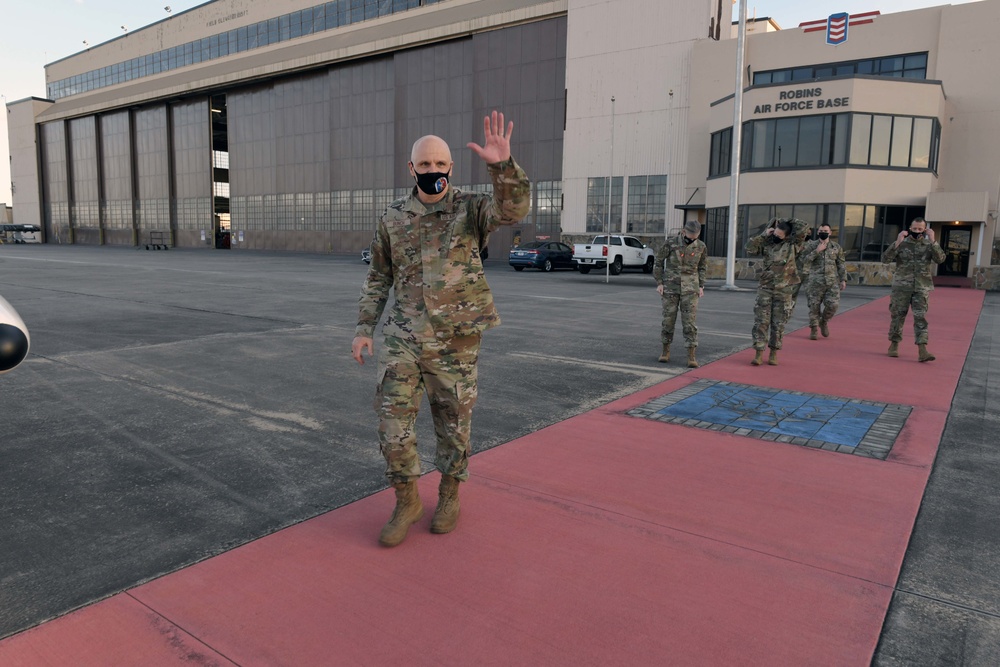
x: 692, y: 227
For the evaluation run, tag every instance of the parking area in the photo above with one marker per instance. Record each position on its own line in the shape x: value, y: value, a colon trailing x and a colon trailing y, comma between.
x: 177, y: 404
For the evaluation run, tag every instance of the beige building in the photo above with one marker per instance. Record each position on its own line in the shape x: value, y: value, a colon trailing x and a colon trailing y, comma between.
x: 898, y: 121
x: 288, y: 124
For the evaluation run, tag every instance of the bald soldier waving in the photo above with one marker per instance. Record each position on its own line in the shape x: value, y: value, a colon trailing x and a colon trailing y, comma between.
x: 427, y: 252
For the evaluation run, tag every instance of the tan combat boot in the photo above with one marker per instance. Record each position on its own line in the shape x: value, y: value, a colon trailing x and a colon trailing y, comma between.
x: 758, y: 358
x: 408, y: 511
x: 772, y: 359
x: 812, y: 334
x: 446, y: 515
x: 692, y: 362
x: 665, y: 355
x: 924, y: 355
x: 824, y: 329
x: 894, y: 348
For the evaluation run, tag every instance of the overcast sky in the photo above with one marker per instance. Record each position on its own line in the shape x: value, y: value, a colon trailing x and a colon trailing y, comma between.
x: 36, y: 32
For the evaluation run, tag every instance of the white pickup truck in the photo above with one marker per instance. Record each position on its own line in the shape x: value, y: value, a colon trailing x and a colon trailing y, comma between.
x: 624, y: 252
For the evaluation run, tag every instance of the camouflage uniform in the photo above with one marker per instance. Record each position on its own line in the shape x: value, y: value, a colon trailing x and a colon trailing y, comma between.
x: 823, y: 274
x: 795, y: 289
x: 428, y: 254
x: 778, y: 277
x: 911, y: 284
x: 680, y: 268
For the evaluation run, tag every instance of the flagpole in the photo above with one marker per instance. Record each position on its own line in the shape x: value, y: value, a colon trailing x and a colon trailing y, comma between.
x: 734, y: 160
x: 611, y: 185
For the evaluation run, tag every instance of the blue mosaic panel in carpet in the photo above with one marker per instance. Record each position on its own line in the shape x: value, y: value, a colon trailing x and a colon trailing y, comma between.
x: 865, y: 428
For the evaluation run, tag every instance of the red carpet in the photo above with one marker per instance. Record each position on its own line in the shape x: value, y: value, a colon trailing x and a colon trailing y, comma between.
x: 604, y: 539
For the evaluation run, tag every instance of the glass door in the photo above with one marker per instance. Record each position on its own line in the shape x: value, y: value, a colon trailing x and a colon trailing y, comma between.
x: 956, y: 240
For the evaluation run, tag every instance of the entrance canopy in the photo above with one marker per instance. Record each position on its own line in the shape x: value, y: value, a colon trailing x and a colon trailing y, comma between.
x: 961, y: 206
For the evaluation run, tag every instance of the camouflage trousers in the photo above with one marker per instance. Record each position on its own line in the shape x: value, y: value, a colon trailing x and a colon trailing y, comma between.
x: 823, y: 300
x: 687, y: 304
x: 901, y: 301
x: 770, y: 312
x: 447, y: 370
x: 795, y: 298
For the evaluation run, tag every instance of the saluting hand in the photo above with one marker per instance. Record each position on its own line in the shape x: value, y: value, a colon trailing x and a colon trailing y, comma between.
x: 497, y: 146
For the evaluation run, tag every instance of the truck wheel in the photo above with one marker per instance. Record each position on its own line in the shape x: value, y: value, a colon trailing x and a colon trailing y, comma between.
x: 584, y: 269
x: 616, y: 266
x: 648, y: 266
x: 547, y: 266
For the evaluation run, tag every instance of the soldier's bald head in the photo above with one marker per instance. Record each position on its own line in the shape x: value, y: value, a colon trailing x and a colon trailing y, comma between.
x: 429, y: 149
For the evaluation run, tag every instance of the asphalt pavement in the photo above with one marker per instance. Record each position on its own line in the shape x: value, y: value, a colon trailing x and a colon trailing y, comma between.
x: 178, y: 404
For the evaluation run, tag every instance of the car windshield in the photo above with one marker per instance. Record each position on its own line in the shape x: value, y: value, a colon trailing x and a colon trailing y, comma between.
x: 530, y: 244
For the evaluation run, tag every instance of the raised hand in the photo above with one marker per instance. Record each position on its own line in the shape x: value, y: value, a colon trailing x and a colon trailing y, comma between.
x: 497, y: 146
x: 930, y: 235
x: 902, y: 235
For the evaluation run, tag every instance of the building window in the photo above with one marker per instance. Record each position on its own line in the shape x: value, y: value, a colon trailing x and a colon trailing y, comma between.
x: 597, y: 204
x: 876, y: 140
x: 721, y: 153
x: 647, y: 204
x: 908, y: 66
x: 864, y: 231
x: 716, y: 229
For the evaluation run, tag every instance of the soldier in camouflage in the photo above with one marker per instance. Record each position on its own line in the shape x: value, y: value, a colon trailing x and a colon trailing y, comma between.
x: 824, y: 275
x: 779, y: 245
x: 427, y: 252
x: 795, y: 288
x: 679, y: 270
x: 913, y: 253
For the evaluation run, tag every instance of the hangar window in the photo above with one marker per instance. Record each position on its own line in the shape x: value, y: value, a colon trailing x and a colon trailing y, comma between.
x: 324, y: 16
x: 647, y: 204
x: 597, y: 204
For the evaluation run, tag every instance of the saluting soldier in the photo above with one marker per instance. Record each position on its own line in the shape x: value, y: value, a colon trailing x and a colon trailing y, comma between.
x: 779, y: 245
x: 427, y: 250
x: 825, y: 276
x: 912, y: 283
x: 679, y: 270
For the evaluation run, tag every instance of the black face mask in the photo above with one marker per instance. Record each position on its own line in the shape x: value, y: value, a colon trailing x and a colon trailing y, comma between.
x: 433, y: 182
x: 824, y: 235
x: 775, y: 239
x: 916, y: 236
x: 688, y: 241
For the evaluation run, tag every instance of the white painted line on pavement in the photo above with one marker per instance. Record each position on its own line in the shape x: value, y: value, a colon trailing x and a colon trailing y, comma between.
x: 656, y: 371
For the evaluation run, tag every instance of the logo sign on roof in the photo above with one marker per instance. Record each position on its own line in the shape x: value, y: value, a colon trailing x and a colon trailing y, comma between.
x: 836, y: 25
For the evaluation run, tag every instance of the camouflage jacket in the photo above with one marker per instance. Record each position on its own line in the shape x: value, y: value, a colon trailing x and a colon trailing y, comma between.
x: 826, y: 267
x: 913, y: 263
x: 429, y: 256
x: 681, y: 267
x: 779, y: 267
